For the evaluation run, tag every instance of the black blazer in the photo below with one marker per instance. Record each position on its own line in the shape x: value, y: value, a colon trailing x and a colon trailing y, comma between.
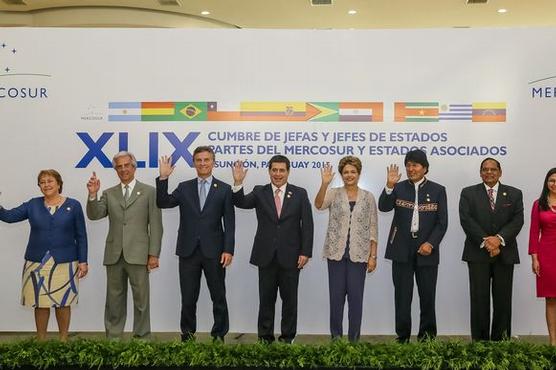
x: 290, y: 236
x: 478, y: 221
x: 433, y: 220
x: 213, y: 227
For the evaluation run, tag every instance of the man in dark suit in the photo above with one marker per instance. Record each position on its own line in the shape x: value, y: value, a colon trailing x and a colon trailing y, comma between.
x: 491, y: 215
x: 419, y: 224
x: 283, y: 243
x: 205, y: 238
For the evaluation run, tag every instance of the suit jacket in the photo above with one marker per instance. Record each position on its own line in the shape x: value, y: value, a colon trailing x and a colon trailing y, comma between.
x: 135, y: 228
x: 479, y: 220
x: 63, y: 233
x: 433, y: 220
x: 203, y: 227
x: 289, y: 236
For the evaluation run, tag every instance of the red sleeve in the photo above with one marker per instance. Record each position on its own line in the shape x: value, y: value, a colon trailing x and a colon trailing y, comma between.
x: 535, y: 229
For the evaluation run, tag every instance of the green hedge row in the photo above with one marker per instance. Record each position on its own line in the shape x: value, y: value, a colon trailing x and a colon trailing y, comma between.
x: 426, y: 355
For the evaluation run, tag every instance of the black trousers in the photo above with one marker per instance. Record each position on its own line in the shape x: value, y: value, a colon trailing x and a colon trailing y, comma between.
x: 425, y: 276
x: 274, y: 278
x: 190, y: 269
x: 481, y: 277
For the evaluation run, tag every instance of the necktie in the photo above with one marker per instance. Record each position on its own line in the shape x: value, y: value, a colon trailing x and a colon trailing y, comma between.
x: 491, y: 198
x: 126, y: 193
x: 277, y: 202
x: 415, y: 216
x: 202, y: 193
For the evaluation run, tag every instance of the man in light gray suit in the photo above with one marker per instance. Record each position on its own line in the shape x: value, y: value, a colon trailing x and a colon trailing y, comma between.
x: 132, y: 245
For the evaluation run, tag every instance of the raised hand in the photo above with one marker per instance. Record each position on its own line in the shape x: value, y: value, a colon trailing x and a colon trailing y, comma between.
x: 93, y: 185
x: 238, y: 172
x: 393, y: 175
x: 327, y: 174
x: 165, y: 167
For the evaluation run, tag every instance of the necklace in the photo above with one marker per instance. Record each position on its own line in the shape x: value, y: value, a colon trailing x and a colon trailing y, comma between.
x: 57, y: 202
x: 552, y: 204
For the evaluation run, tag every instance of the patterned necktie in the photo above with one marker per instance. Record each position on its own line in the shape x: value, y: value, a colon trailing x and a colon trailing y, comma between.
x: 491, y: 198
x: 277, y: 202
x: 415, y: 216
x: 126, y: 193
x: 202, y: 193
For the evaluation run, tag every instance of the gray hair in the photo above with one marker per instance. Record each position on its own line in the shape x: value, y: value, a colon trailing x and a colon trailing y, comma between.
x: 124, y: 154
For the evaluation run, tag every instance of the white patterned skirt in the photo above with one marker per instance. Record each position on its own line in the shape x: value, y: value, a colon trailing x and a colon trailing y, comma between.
x: 49, y: 284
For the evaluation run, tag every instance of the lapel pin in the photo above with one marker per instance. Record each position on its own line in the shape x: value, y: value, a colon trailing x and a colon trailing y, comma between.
x: 504, y: 194
x: 68, y: 209
x: 215, y: 185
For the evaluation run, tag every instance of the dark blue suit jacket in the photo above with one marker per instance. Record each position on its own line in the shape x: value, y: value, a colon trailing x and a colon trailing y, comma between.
x: 433, y: 220
x: 213, y: 228
x: 63, y: 233
x: 289, y: 236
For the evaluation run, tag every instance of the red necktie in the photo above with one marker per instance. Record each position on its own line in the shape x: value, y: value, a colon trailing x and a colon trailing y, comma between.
x: 277, y: 202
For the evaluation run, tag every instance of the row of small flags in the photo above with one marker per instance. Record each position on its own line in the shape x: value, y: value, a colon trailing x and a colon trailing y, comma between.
x: 307, y: 111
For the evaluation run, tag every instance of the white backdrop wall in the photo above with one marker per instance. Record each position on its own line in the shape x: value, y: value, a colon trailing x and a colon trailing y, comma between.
x: 82, y: 71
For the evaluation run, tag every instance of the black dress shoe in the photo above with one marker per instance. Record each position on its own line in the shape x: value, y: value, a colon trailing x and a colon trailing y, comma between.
x: 188, y: 337
x: 266, y: 339
x: 402, y: 339
x: 217, y: 339
x: 285, y: 340
x: 425, y: 337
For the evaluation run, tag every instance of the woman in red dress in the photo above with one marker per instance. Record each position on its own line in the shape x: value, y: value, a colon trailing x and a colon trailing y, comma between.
x: 542, y: 248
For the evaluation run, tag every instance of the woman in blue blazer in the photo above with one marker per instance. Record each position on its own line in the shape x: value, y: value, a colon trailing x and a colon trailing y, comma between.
x: 56, y: 254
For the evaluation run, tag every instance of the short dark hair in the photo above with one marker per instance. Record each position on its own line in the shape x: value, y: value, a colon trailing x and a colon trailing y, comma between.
x: 417, y: 156
x: 351, y: 160
x: 204, y: 148
x: 279, y: 159
x: 491, y: 159
x: 53, y: 173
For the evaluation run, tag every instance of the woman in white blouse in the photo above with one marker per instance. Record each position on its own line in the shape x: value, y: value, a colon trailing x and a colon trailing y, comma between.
x: 350, y: 245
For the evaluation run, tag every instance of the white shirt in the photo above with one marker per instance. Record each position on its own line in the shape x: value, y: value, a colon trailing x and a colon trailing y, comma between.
x: 130, y: 186
x: 237, y: 188
x: 415, y: 218
x: 494, y: 195
x: 281, y: 194
x: 494, y: 190
x: 208, y: 183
